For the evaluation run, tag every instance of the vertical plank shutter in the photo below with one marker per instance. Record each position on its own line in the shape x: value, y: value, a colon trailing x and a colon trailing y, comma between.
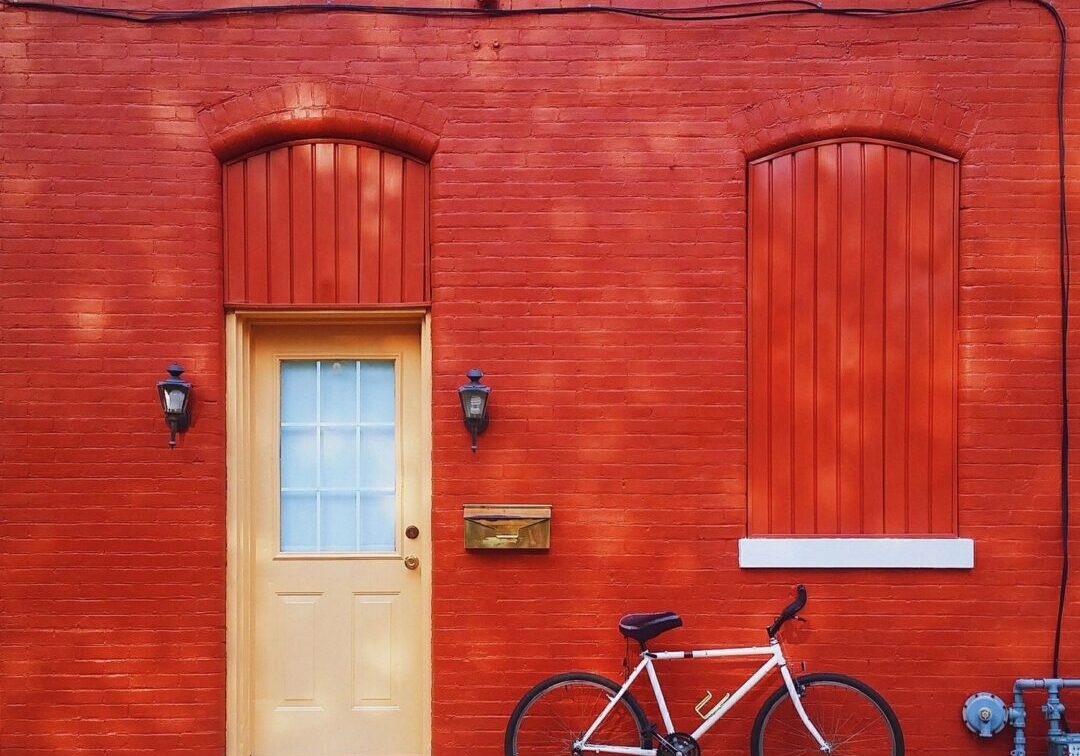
x: 326, y: 223
x: 852, y: 306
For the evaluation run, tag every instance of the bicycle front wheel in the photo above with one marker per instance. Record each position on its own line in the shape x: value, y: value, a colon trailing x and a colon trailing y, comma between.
x: 555, y: 714
x: 850, y: 715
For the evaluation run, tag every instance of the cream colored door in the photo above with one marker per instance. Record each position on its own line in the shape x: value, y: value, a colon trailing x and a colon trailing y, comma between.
x: 340, y: 629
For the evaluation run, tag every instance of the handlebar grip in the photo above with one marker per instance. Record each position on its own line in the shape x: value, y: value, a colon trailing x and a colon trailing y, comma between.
x: 789, y: 611
x: 797, y: 605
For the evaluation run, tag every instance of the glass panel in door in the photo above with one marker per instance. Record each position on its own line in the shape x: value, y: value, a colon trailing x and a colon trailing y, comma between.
x: 338, y: 456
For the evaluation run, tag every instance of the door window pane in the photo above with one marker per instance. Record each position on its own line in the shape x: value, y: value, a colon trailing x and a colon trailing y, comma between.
x: 337, y: 397
x: 299, y: 465
x: 298, y: 522
x: 377, y: 388
x: 338, y: 456
x: 377, y: 464
x: 377, y: 523
x: 298, y: 391
x: 337, y: 522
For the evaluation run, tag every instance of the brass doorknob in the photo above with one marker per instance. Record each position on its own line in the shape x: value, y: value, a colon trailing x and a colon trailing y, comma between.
x: 412, y: 562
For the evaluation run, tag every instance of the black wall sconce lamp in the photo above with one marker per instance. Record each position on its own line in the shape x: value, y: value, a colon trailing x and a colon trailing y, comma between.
x: 175, y: 396
x: 474, y: 404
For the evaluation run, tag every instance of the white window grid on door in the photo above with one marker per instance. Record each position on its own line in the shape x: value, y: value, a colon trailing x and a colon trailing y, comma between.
x: 382, y: 496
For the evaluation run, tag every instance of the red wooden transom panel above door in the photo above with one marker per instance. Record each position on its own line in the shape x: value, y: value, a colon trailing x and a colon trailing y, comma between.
x: 852, y: 297
x: 326, y: 223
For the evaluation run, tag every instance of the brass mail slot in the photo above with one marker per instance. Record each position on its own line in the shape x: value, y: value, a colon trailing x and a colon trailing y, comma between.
x: 507, y: 526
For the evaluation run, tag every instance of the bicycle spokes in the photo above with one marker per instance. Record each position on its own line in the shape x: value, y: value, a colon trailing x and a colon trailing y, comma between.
x: 849, y: 721
x: 558, y: 718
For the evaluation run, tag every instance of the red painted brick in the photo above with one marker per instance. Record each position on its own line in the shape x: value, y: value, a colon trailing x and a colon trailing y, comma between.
x: 588, y: 249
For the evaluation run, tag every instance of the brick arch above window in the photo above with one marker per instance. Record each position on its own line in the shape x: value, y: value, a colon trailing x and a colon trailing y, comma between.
x: 852, y: 337
x: 909, y: 116
x: 326, y: 223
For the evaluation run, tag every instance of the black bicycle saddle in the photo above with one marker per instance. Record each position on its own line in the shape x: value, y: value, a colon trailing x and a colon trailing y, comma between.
x: 643, y: 627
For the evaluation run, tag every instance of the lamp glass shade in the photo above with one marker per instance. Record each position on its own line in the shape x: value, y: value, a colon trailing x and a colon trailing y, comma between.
x: 475, y: 408
x: 175, y: 399
x: 473, y: 404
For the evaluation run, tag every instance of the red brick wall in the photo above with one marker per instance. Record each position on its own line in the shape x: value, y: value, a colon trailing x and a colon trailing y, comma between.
x: 589, y: 245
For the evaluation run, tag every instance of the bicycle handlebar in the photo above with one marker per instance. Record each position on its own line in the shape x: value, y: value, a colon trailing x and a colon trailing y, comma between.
x: 790, y: 611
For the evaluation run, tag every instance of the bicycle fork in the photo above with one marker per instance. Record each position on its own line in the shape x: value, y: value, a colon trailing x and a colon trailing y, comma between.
x: 796, y: 700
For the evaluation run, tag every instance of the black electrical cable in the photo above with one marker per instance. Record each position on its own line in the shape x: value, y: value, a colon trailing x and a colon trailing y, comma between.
x: 1065, y: 271
x: 739, y: 10
x: 711, y: 12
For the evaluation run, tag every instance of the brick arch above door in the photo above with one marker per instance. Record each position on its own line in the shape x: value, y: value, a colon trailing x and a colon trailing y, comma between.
x: 326, y: 223
x: 266, y: 117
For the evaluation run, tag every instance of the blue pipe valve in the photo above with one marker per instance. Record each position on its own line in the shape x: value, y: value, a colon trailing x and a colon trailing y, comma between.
x: 985, y: 714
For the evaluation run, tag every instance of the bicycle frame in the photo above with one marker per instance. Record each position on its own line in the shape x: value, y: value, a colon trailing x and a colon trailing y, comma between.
x: 647, y: 664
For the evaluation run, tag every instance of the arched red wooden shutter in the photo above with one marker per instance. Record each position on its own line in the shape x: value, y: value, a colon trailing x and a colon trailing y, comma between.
x: 326, y: 223
x: 853, y: 268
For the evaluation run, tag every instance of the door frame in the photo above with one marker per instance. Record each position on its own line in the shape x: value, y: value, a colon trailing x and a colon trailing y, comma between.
x: 240, y: 568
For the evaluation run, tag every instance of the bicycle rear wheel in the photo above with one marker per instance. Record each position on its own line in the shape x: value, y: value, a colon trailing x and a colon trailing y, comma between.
x: 552, y: 716
x: 852, y: 717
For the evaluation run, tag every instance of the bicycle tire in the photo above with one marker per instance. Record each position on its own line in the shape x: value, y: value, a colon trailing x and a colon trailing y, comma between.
x: 770, y: 726
x: 585, y: 680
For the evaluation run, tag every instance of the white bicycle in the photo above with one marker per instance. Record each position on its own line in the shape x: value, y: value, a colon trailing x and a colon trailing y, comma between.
x: 579, y: 713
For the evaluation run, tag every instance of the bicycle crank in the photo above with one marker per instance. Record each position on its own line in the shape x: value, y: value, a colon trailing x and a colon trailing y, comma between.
x: 677, y: 744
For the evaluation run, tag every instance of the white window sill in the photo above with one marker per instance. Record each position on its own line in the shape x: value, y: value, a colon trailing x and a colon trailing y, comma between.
x: 847, y: 553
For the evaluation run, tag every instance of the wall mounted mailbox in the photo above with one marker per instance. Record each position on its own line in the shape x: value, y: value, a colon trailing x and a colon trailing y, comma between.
x: 507, y: 526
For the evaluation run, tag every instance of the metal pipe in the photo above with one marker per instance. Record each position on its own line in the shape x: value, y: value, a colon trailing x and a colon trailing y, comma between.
x: 1057, y: 682
x: 1053, y: 709
x: 1018, y: 717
